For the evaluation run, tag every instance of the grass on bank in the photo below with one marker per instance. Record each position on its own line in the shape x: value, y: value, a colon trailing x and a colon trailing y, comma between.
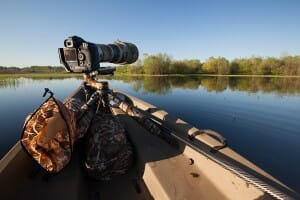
x: 41, y: 75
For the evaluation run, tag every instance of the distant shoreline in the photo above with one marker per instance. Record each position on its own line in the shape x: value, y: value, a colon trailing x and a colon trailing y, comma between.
x: 40, y: 75
x: 212, y: 75
x: 69, y: 75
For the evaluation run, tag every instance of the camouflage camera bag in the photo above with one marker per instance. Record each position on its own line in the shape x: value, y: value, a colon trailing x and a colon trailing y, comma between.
x: 50, y: 132
x: 108, y: 150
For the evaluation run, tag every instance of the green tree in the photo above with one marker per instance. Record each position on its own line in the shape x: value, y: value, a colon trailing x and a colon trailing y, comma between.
x: 255, y: 63
x: 194, y: 66
x: 234, y: 67
x: 245, y: 66
x: 218, y: 65
x: 269, y: 66
x: 157, y: 64
x: 122, y: 69
x: 290, y: 65
x: 177, y: 67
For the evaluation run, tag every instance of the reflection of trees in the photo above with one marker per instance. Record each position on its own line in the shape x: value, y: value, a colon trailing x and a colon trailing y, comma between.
x: 137, y: 85
x: 157, y: 84
x: 217, y: 84
x: 222, y: 83
x: 248, y: 84
x: 162, y: 84
x: 126, y: 79
x: 281, y: 86
x: 15, y: 82
x: 9, y: 83
x: 209, y: 83
x: 186, y: 82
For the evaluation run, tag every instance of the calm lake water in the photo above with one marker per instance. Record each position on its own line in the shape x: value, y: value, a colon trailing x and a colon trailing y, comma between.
x: 260, y: 117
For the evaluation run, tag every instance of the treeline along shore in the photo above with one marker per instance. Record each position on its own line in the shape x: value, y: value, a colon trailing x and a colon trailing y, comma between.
x: 162, y: 64
x: 32, y: 70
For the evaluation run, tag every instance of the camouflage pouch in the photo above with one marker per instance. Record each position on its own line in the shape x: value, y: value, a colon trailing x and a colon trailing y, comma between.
x: 50, y: 132
x: 108, y: 151
x: 47, y: 135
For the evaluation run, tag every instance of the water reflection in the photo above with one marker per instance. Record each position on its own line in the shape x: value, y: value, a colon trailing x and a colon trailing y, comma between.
x: 162, y: 85
x: 13, y: 83
x: 9, y: 83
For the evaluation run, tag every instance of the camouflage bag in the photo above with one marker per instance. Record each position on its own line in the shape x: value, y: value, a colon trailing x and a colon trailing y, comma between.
x: 50, y: 132
x: 108, y: 151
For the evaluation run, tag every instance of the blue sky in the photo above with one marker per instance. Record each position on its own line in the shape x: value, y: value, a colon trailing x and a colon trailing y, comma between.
x: 32, y: 30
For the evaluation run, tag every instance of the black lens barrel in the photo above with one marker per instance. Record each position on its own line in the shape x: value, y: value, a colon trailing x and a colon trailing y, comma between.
x: 118, y: 53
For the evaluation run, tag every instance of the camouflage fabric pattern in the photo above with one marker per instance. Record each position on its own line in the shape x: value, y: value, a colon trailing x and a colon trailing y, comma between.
x: 55, y: 154
x: 74, y: 105
x: 108, y: 151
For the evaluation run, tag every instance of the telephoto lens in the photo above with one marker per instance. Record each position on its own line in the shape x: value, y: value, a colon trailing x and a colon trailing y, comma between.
x: 119, y: 52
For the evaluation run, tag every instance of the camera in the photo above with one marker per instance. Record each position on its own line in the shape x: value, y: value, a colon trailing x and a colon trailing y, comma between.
x: 80, y: 56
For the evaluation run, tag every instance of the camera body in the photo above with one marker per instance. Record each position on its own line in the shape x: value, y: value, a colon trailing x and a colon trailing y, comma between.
x: 79, y: 56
